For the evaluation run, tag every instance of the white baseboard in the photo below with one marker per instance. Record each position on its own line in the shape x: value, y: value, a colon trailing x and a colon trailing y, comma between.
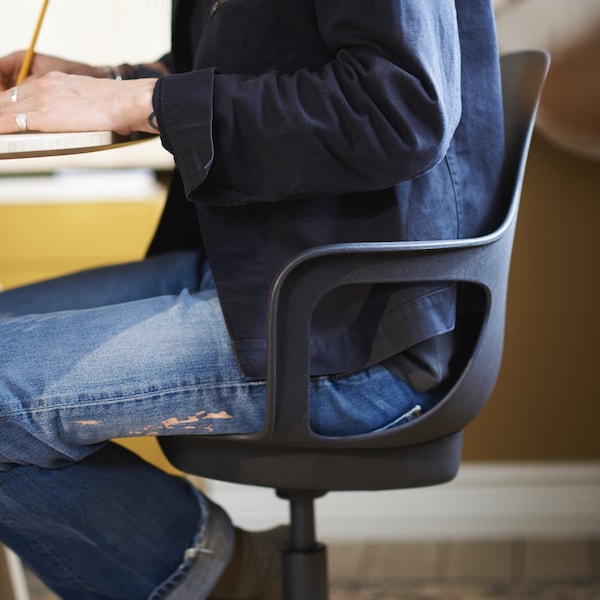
x: 486, y: 500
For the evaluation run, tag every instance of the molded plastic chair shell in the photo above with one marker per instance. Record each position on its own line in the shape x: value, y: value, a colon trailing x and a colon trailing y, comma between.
x: 286, y: 453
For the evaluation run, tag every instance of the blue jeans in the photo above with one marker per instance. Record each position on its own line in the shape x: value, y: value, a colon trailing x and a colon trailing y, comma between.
x: 133, y: 350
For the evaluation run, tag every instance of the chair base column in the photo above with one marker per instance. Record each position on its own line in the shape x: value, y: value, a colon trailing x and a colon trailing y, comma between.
x: 305, y: 574
x: 305, y: 560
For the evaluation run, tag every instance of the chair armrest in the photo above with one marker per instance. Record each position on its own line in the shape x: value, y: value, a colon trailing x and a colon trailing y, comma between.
x: 303, y: 282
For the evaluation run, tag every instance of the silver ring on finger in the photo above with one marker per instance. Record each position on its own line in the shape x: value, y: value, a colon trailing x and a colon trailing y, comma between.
x: 21, y: 119
x: 14, y: 94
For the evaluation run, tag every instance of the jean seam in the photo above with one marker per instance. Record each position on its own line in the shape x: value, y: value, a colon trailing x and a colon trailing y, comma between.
x: 131, y: 397
x: 173, y: 586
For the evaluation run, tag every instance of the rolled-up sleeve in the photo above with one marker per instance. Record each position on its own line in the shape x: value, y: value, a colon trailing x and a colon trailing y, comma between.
x: 381, y: 110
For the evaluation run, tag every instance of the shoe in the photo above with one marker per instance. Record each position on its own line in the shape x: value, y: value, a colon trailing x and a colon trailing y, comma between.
x: 255, y: 569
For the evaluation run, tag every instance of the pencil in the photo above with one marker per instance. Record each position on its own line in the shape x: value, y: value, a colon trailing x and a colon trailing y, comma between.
x: 26, y: 65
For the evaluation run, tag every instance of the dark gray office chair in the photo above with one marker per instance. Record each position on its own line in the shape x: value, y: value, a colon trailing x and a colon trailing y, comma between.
x: 302, y: 466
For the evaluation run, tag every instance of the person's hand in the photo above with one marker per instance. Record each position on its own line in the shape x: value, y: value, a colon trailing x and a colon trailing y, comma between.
x: 57, y: 102
x: 41, y: 65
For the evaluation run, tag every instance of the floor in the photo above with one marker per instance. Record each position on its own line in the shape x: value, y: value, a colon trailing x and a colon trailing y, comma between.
x: 437, y: 561
x: 465, y: 570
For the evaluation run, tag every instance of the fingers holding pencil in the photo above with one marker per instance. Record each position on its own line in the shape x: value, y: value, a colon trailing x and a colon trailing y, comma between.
x: 40, y: 66
x: 9, y: 69
x: 10, y: 66
x: 17, y: 66
x: 28, y: 57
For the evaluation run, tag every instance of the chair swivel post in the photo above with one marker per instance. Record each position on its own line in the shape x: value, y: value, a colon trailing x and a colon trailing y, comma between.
x: 305, y: 559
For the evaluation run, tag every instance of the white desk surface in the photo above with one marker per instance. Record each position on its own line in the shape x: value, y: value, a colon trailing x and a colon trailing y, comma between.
x: 26, y: 145
x: 48, y: 152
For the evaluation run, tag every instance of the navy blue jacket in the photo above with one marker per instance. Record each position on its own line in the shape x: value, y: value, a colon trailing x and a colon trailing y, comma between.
x: 298, y: 123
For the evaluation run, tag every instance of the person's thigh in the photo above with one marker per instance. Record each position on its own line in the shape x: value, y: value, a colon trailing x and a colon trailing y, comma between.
x: 155, y: 276
x: 69, y: 380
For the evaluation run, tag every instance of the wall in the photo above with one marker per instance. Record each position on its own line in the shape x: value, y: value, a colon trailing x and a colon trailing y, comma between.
x: 546, y: 405
x: 98, y: 32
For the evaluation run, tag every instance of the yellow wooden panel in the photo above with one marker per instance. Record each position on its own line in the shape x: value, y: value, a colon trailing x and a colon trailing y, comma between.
x: 90, y: 229
x: 43, y: 241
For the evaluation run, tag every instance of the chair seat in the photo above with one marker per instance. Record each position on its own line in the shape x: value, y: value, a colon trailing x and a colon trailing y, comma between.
x: 310, y: 469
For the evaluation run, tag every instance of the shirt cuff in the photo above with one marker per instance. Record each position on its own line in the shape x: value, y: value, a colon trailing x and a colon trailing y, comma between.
x: 183, y: 104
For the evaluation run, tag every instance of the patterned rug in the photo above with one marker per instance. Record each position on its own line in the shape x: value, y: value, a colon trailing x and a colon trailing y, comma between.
x: 580, y: 590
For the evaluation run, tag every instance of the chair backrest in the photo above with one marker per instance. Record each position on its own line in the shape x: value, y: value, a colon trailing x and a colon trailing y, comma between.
x: 482, y: 261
